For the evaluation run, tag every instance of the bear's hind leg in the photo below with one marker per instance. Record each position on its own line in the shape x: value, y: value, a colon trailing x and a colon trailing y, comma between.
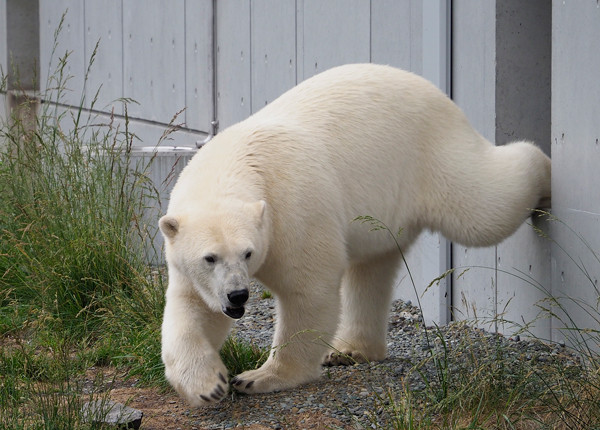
x: 366, y: 294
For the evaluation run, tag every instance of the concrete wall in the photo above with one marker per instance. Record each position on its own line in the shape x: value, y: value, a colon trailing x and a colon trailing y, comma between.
x: 501, y: 80
x: 575, y: 160
x: 20, y: 60
x: 22, y: 44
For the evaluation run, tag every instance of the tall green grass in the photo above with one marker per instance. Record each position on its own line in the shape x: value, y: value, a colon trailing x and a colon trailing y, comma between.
x: 72, y: 214
x: 76, y: 286
x: 79, y: 284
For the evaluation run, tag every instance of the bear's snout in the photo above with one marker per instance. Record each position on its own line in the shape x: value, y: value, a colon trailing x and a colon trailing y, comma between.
x: 238, y: 297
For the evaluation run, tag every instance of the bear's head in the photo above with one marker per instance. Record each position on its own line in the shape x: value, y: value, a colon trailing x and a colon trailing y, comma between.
x: 218, y: 250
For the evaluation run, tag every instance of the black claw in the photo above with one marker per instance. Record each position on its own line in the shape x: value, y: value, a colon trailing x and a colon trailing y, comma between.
x: 219, y: 390
x: 215, y: 396
x: 203, y: 397
x: 222, y: 378
x: 249, y: 384
x: 237, y: 382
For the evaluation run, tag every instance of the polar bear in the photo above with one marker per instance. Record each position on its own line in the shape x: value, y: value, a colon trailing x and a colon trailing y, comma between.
x: 274, y: 197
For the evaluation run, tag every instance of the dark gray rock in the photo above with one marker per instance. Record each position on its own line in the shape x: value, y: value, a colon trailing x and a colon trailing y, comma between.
x: 112, y: 413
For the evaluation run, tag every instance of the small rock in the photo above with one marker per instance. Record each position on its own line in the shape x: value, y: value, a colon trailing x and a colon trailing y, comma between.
x: 112, y: 413
x: 406, y: 315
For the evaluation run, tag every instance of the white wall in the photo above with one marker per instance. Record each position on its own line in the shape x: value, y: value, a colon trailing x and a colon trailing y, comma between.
x: 575, y: 161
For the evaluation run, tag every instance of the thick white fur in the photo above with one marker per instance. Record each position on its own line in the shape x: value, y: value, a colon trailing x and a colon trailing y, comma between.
x: 286, y: 185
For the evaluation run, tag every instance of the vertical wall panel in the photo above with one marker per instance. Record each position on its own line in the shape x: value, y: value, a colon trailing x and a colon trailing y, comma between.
x: 575, y: 156
x: 198, y: 64
x: 424, y: 261
x: 523, y: 51
x: 576, y: 106
x: 473, y: 89
x: 474, y: 284
x: 3, y: 53
x: 104, y: 26
x: 154, y: 62
x: 473, y: 62
x: 396, y: 33
x: 233, y: 62
x: 335, y: 32
x: 3, y: 57
x: 70, y: 40
x: 576, y: 274
x: 22, y: 44
x: 524, y: 280
x: 273, y: 26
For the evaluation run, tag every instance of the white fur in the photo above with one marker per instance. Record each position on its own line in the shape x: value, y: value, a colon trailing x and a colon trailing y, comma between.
x: 287, y: 183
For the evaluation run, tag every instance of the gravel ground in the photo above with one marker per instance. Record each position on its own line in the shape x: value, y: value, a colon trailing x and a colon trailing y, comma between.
x: 358, y: 396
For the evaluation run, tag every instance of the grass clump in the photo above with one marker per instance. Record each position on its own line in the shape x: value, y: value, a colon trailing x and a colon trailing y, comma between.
x: 476, y: 380
x: 239, y: 356
x: 76, y: 289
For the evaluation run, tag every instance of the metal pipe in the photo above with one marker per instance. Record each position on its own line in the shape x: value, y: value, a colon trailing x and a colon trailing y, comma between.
x: 214, y: 124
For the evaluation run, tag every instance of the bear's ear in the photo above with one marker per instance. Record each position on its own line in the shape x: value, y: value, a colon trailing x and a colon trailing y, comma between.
x: 169, y: 226
x: 258, y: 209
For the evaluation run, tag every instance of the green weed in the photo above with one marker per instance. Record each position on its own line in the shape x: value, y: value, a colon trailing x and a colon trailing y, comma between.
x: 240, y: 356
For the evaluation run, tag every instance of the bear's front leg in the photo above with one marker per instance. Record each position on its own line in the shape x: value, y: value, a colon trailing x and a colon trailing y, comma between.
x: 192, y: 336
x: 304, y: 328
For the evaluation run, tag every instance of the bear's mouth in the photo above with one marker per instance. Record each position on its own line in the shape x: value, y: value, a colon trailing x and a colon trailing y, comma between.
x: 235, y: 313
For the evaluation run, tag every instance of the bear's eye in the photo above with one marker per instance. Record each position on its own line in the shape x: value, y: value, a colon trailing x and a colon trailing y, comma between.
x: 248, y: 255
x: 210, y: 259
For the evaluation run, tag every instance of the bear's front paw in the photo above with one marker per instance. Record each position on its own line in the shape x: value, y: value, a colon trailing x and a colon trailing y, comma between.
x: 266, y: 380
x: 203, y: 392
x: 200, y: 383
x: 218, y: 392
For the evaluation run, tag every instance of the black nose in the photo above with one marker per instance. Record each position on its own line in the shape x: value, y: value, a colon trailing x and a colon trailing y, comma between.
x: 238, y: 297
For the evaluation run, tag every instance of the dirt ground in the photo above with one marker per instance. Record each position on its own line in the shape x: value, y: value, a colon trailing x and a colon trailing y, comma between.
x: 166, y: 410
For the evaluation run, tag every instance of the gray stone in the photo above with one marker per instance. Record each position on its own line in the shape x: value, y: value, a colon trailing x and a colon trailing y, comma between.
x: 112, y: 413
